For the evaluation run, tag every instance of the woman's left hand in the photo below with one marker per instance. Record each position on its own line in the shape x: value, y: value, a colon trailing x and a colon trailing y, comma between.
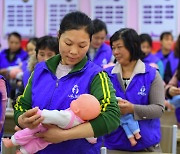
x: 125, y: 106
x: 54, y: 134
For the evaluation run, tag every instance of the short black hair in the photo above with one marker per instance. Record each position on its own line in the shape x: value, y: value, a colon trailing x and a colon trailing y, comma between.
x: 145, y: 38
x: 47, y: 42
x: 16, y: 34
x: 75, y: 21
x: 99, y: 25
x: 165, y: 34
x: 131, y: 42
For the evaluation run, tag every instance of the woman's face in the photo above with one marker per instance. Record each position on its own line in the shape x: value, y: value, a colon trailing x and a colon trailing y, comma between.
x: 145, y: 47
x: 31, y: 48
x: 120, y: 52
x: 44, y: 54
x: 14, y: 43
x: 73, y: 46
x: 98, y: 39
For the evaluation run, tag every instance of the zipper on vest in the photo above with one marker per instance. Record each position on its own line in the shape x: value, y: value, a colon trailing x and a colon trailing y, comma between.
x: 57, y: 83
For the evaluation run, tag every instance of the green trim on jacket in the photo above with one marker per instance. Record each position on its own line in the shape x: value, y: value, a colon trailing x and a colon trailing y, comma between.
x: 101, y: 88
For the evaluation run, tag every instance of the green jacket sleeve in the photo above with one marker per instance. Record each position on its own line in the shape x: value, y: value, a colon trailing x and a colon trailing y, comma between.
x: 19, y: 107
x: 109, y: 119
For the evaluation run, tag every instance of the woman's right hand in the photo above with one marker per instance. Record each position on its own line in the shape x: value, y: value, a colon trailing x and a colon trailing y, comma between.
x: 173, y: 91
x: 30, y: 119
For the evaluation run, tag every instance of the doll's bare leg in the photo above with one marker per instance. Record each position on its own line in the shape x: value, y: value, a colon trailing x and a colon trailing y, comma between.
x: 137, y: 136
x: 18, y: 152
x: 132, y: 141
x: 7, y: 142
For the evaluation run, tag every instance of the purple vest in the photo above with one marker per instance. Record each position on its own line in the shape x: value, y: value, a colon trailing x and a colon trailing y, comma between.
x: 150, y: 58
x: 137, y: 93
x: 171, y: 58
x: 25, y: 77
x: 178, y: 83
x: 58, y: 94
x: 24, y: 65
x: 21, y: 55
x: 103, y: 55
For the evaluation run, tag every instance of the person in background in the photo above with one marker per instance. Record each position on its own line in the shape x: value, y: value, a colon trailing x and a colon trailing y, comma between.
x: 57, y: 81
x: 99, y: 52
x: 46, y: 47
x: 170, y: 61
x: 13, y: 56
x: 142, y: 91
x: 172, y: 89
x: 30, y: 47
x: 3, y: 102
x: 173, y: 93
x: 11, y: 59
x: 152, y: 60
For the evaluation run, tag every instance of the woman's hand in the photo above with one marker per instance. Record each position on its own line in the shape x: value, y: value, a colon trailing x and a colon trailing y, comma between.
x: 54, y: 134
x: 173, y: 91
x: 125, y: 106
x: 30, y: 119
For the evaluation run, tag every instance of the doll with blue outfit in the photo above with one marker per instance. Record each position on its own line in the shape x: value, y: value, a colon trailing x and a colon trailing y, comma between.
x: 130, y: 126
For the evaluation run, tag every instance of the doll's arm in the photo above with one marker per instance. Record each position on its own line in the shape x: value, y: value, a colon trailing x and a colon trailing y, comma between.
x: 60, y: 118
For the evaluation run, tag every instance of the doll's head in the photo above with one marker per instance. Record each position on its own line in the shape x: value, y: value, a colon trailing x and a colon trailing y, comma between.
x: 86, y: 107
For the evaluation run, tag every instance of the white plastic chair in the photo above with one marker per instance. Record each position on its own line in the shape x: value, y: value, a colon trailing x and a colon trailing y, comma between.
x: 169, y: 138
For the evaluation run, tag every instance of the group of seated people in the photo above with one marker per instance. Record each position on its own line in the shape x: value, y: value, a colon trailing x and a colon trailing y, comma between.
x: 129, y: 82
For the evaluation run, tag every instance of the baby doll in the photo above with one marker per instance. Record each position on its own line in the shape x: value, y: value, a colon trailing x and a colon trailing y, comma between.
x: 130, y: 126
x: 175, y: 101
x: 84, y: 108
x: 14, y: 72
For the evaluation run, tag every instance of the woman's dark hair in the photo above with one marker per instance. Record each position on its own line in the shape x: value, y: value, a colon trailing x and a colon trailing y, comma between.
x: 33, y: 40
x: 76, y: 20
x: 14, y: 34
x: 177, y: 47
x: 47, y: 42
x: 146, y: 38
x: 99, y: 25
x: 131, y: 42
x: 165, y: 34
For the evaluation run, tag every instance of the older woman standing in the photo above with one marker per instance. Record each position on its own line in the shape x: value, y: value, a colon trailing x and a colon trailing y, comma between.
x: 141, y: 89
